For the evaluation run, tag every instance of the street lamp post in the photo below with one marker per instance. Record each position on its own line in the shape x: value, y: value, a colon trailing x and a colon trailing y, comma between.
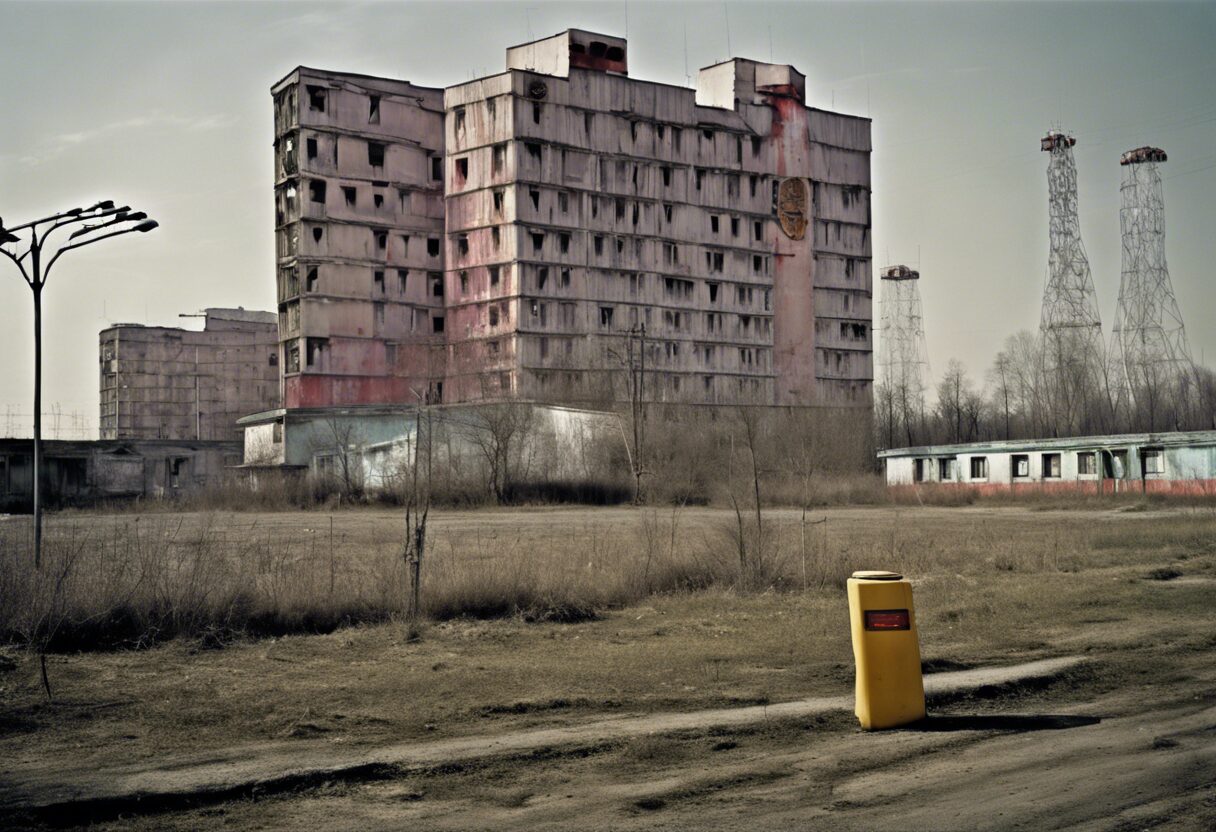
x: 35, y: 272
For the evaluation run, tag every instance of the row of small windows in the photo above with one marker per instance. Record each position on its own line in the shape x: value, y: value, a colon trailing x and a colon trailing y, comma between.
x: 1050, y: 465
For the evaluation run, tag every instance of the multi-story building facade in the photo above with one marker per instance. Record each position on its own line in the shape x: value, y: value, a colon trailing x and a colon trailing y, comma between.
x: 179, y: 384
x: 714, y: 241
x: 359, y: 238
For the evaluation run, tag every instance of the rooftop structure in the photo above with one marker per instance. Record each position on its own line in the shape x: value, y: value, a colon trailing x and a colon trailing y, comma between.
x: 173, y: 383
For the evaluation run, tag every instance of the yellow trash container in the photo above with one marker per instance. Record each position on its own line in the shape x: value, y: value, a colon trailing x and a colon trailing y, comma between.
x: 890, y: 690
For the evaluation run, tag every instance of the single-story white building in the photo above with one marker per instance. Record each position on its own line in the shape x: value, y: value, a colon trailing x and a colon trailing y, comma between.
x: 1176, y: 462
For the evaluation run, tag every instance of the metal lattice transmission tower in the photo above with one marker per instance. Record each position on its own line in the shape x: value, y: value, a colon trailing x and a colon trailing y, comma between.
x: 1070, y: 324
x: 903, y: 361
x: 1149, y: 338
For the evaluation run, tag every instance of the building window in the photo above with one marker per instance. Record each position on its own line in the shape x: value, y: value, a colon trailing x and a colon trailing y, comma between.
x: 464, y: 282
x: 402, y: 280
x: 462, y: 170
x: 979, y: 467
x: 498, y: 159
x: 378, y: 281
x: 563, y: 241
x: 462, y: 245
x: 606, y: 313
x: 436, y: 284
x: 437, y: 168
x: 437, y: 324
x: 497, y: 196
x: 493, y: 316
x: 316, y: 190
x: 1021, y: 465
x: 920, y: 470
x: 350, y: 194
x: 1154, y: 460
x: 432, y: 246
x: 459, y: 113
x: 311, y: 147
x: 375, y: 154
x: 316, y: 99
x: 373, y: 109
x: 1051, y: 466
x: 494, y: 271
x: 1087, y: 463
x: 945, y: 469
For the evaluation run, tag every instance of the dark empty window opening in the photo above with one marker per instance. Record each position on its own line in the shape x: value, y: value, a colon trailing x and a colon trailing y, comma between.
x: 758, y: 229
x: 437, y: 324
x: 378, y: 200
x: 734, y: 226
x: 564, y: 279
x: 494, y: 273
x: 437, y: 285
x: 375, y: 154
x: 700, y: 176
x: 498, y: 159
x: 563, y: 242
x: 274, y: 359
x: 538, y: 241
x: 752, y: 183
x: 497, y: 197
x: 462, y: 245
x: 636, y: 210
x: 382, y: 240
x: 708, y: 135
x: 534, y: 195
x: 495, y: 237
x: 667, y: 212
x: 713, y: 224
x: 588, y: 122
x: 378, y: 280
x: 316, y: 190
x: 373, y: 109
x: 432, y: 246
x: 738, y: 149
x: 310, y: 279
x: 666, y: 176
x: 311, y: 146
x: 437, y: 167
x: 536, y: 112
x: 606, y: 316
x: 533, y: 149
x: 615, y: 53
x: 317, y: 233
x: 459, y: 114
x: 563, y: 202
x: 542, y: 277
x: 462, y: 170
x: 756, y: 145
x: 598, y: 48
x: 713, y: 292
x: 598, y: 242
x: 633, y: 135
x: 314, y: 348
x: 402, y: 280
x: 493, y: 316
x: 350, y: 194
x: 464, y: 283
x: 316, y: 99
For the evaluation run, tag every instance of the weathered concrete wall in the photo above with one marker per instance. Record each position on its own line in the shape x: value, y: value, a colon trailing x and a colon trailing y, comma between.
x: 170, y: 383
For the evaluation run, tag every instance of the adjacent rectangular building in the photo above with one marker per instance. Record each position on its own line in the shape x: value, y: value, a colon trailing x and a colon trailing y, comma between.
x: 359, y: 238
x: 172, y: 383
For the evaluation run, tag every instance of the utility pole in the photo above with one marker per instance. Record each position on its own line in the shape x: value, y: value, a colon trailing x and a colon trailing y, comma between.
x: 35, y: 275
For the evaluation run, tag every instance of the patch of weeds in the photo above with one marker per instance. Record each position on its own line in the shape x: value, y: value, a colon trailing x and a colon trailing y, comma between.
x: 725, y: 745
x: 1161, y: 743
x: 1163, y: 573
x: 943, y: 665
x: 650, y: 804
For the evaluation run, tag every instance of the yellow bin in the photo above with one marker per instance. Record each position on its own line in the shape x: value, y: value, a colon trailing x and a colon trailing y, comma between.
x: 890, y: 690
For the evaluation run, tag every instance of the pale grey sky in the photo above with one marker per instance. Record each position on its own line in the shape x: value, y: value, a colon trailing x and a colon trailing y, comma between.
x: 166, y: 106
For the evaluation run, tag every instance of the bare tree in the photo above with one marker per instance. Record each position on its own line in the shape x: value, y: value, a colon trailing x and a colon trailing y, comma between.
x: 501, y: 434
x: 417, y: 500
x: 341, y: 444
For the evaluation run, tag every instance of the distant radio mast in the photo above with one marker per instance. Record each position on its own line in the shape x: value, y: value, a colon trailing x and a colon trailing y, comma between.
x: 903, y: 361
x: 1149, y: 337
x: 1070, y: 323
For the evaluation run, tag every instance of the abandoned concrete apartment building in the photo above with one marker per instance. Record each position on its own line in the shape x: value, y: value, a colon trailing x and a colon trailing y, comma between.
x: 513, y: 237
x: 176, y: 384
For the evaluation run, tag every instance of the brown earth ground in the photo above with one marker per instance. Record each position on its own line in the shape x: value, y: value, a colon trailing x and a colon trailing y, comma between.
x: 1128, y: 741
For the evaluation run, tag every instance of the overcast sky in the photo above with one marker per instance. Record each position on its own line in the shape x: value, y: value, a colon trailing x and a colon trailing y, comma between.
x: 166, y: 106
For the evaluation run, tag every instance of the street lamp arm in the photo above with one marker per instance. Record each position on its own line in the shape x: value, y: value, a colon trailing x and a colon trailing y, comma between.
x: 77, y: 218
x: 142, y: 227
x: 24, y: 274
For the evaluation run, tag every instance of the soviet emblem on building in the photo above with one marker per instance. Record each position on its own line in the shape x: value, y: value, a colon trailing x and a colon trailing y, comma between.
x: 791, y: 208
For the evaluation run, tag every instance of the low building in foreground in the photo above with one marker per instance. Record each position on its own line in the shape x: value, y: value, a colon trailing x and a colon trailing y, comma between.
x: 86, y: 472
x: 373, y: 448
x: 1183, y: 462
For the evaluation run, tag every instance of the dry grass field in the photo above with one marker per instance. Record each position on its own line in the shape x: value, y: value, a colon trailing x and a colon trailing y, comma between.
x: 187, y: 634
